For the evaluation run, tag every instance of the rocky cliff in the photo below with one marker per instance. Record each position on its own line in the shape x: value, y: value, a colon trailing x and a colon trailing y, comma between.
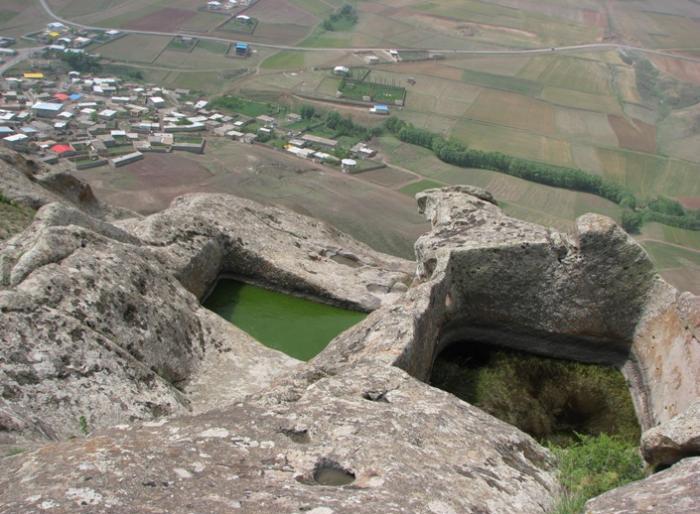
x: 102, y: 327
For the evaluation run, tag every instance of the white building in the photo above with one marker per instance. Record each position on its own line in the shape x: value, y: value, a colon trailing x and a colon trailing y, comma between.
x: 341, y: 70
x: 156, y: 101
x: 107, y: 114
x: 125, y: 159
x: 47, y: 109
x: 348, y: 165
x: 56, y: 26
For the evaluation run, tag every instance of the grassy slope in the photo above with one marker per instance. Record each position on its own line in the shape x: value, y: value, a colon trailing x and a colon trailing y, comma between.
x: 13, y: 219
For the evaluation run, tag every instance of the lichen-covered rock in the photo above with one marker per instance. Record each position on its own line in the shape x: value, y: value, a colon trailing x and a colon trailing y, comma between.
x: 669, y: 442
x: 673, y: 491
x: 100, y: 324
x: 104, y: 318
x: 370, y: 439
x: 204, y: 235
x: 588, y: 296
x: 29, y: 183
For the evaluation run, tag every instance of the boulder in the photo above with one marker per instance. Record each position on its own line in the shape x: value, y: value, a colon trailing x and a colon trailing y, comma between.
x: 590, y: 296
x: 101, y: 326
x: 673, y: 440
x: 673, y: 491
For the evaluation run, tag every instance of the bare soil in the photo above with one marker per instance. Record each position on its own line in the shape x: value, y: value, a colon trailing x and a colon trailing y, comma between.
x: 634, y: 134
x: 165, y: 20
x: 379, y: 216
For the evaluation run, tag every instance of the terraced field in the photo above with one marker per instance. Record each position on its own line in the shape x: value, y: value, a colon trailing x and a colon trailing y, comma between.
x: 576, y: 108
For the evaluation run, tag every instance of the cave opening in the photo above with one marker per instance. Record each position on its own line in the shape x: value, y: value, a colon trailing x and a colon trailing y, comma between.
x: 551, y: 399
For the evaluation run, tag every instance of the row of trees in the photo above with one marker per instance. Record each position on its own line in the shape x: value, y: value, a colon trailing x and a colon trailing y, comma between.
x: 81, y: 61
x: 661, y: 210
x: 344, y: 126
x: 454, y: 152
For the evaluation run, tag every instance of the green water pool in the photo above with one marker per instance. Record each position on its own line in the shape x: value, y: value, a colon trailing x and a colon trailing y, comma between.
x: 298, y: 327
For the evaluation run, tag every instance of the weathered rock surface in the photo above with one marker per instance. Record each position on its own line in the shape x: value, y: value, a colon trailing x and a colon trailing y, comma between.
x: 671, y: 441
x: 98, y: 322
x: 202, y: 236
x: 403, y: 446
x: 102, y: 319
x: 673, y: 491
x: 30, y: 183
x: 589, y: 296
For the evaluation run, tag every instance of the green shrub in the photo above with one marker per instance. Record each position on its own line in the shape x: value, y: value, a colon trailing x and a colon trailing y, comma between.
x: 84, y: 425
x: 593, y: 465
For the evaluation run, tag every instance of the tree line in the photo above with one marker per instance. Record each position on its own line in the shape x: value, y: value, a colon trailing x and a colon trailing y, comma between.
x: 661, y: 210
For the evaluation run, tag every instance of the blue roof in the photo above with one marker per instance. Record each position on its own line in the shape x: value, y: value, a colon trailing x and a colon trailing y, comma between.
x: 75, y: 96
x: 381, y: 107
x: 241, y: 45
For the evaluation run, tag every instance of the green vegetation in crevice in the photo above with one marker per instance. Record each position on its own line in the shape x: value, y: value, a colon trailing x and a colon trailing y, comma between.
x: 550, y: 399
x: 592, y: 466
x: 583, y: 413
x: 83, y: 425
x: 14, y: 451
x: 13, y: 218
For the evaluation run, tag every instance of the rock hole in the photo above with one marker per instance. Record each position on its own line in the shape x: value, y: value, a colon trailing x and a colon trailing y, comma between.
x: 376, y: 396
x: 550, y: 399
x: 329, y: 472
x: 297, y: 435
x: 347, y: 259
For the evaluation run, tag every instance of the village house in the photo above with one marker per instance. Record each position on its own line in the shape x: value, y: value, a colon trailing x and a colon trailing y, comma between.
x: 47, y: 109
x: 123, y: 160
x: 318, y: 140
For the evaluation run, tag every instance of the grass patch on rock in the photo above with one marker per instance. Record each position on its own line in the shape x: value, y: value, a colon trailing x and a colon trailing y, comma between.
x: 593, y: 465
x: 13, y: 218
x: 582, y: 412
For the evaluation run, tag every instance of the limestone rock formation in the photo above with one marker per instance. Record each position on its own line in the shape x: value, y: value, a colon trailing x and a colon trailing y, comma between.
x: 29, y: 183
x: 673, y: 491
x: 671, y: 441
x: 99, y: 326
x: 102, y: 326
x: 398, y: 445
x: 589, y: 296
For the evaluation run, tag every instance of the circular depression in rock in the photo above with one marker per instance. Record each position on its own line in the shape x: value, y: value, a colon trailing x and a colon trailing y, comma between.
x: 551, y: 399
x: 328, y: 472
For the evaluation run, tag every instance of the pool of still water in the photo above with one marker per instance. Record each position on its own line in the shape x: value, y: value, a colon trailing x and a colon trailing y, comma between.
x: 298, y: 327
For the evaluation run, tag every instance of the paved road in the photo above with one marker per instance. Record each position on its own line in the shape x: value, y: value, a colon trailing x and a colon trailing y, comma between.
x: 572, y: 48
x: 22, y: 53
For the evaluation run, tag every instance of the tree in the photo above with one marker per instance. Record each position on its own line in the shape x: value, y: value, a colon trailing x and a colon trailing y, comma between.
x: 333, y: 119
x: 308, y: 112
x: 80, y: 61
x: 666, y: 206
x: 632, y: 221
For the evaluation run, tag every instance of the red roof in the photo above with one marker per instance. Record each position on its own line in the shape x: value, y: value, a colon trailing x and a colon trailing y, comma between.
x: 59, y: 149
x: 61, y: 97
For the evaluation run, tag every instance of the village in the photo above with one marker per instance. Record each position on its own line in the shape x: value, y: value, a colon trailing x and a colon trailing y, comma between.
x: 82, y: 119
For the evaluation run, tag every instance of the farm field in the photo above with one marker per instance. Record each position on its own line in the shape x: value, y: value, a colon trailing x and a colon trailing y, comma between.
x: 135, y: 48
x: 582, y: 108
x: 270, y: 177
x: 18, y: 17
x: 526, y: 200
